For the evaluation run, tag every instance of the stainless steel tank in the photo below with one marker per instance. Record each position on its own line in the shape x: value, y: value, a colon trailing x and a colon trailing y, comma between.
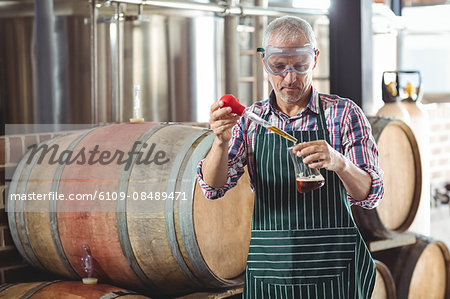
x: 18, y: 62
x: 175, y: 60
x: 174, y: 56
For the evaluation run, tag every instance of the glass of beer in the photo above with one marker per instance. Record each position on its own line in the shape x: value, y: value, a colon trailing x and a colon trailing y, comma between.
x: 307, y: 178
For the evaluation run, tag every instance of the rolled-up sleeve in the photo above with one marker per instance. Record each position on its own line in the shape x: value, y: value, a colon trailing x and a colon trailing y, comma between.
x: 237, y: 159
x: 360, y: 147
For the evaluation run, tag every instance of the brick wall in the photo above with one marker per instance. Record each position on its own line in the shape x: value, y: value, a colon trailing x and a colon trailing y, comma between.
x: 12, y: 266
x: 439, y: 124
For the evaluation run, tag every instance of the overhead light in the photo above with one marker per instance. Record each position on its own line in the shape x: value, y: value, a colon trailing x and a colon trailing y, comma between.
x: 312, y: 4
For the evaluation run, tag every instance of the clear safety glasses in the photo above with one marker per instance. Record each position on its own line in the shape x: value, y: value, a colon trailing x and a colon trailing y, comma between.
x: 280, y: 60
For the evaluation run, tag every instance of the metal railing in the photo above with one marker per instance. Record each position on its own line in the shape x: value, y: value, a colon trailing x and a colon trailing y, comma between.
x: 224, y: 8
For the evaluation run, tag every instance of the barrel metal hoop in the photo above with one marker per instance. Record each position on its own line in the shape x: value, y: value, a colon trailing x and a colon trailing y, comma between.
x: 187, y: 218
x: 117, y: 294
x: 5, y: 286
x: 378, y: 123
x: 388, y: 279
x: 34, y: 290
x: 369, y: 221
x: 187, y: 186
x: 418, y: 178
x: 11, y: 207
x: 169, y: 210
x: 53, y: 210
x: 22, y: 224
x: 121, y: 218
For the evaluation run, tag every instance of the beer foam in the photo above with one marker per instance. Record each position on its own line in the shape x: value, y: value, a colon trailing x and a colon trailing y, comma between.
x: 311, y: 179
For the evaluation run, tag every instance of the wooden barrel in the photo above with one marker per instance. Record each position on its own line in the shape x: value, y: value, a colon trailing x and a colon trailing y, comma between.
x: 64, y: 289
x: 160, y: 235
x: 400, y: 160
x: 384, y: 283
x: 421, y: 270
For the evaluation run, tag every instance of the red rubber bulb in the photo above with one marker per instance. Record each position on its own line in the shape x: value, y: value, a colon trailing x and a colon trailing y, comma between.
x: 230, y: 101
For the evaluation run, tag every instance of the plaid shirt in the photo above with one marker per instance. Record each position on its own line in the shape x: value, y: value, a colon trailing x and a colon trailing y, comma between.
x: 349, y: 131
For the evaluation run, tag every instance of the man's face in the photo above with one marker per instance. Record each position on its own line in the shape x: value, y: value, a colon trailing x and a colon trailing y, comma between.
x: 290, y: 86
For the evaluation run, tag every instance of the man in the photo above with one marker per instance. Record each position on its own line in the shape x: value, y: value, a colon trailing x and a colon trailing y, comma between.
x: 303, y: 245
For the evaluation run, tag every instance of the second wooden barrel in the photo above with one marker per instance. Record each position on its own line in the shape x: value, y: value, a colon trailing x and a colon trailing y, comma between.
x: 146, y: 221
x: 384, y: 283
x: 400, y: 160
x: 421, y: 270
x: 64, y: 289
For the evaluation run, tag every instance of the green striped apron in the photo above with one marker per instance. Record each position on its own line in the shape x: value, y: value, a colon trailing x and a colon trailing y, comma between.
x: 302, y: 245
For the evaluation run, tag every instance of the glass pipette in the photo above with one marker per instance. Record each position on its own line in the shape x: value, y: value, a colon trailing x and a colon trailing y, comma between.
x: 230, y: 101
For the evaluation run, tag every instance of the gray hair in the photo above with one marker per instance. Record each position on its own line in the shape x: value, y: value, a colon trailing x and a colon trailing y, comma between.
x: 289, y: 29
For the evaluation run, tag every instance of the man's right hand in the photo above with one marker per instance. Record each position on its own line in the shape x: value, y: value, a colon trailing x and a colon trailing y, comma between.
x: 221, y: 121
x: 215, y: 165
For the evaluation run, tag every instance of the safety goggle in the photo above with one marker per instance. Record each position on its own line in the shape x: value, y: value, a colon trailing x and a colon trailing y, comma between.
x: 280, y: 60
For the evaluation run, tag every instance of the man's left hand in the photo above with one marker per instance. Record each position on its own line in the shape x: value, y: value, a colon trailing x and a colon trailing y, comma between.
x: 319, y: 154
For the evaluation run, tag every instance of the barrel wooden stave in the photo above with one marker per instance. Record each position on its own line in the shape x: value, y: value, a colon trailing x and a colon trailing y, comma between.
x: 39, y: 241
x: 153, y: 252
x: 98, y: 229
x: 230, y: 221
x: 397, y: 159
x: 42, y: 240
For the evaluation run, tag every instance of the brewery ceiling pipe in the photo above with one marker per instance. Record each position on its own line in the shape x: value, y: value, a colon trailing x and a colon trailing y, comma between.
x: 262, y: 85
x: 45, y: 62
x: 231, y: 55
x: 224, y: 9
x: 94, y: 62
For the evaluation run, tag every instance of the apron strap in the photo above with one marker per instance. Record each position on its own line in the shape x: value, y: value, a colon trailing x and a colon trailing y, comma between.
x: 322, y: 122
